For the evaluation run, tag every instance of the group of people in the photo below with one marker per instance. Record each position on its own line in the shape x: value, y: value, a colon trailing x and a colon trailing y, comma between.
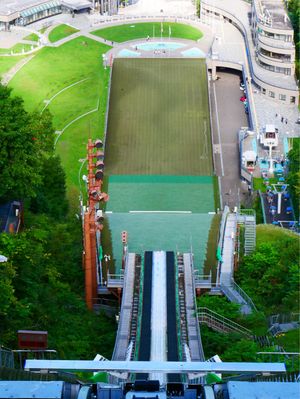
x: 283, y: 120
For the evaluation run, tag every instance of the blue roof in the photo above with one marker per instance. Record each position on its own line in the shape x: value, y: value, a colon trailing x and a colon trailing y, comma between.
x: 263, y: 390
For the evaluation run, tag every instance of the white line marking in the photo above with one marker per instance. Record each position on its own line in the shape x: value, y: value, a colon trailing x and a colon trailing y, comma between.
x: 218, y: 129
x: 160, y: 211
x: 66, y: 88
x: 74, y: 120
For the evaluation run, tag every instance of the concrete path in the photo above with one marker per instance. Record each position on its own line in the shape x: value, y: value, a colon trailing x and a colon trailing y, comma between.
x: 11, y: 73
x: 228, y: 116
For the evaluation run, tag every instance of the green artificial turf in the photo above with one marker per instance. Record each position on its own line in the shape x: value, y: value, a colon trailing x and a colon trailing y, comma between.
x: 60, y: 32
x: 158, y: 121
x: 33, y: 37
x: 123, y: 33
x: 52, y: 70
x: 177, y: 232
x: 6, y: 63
x: 161, y: 193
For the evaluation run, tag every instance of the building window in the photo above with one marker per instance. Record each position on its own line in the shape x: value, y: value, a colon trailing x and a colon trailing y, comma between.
x: 293, y: 100
x: 271, y: 94
x: 282, y: 97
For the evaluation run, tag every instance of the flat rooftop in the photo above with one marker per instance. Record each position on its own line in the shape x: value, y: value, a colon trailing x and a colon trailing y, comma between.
x: 8, y: 7
x: 276, y: 11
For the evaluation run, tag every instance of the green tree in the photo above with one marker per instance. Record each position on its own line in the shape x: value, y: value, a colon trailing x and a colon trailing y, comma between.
x: 51, y: 193
x: 241, y: 351
x: 198, y: 9
x: 7, y: 297
x: 270, y: 275
x: 25, y: 139
x: 44, y: 291
x: 294, y: 174
x: 220, y: 305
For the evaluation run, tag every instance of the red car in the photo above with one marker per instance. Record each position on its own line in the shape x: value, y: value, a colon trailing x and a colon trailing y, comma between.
x: 243, y: 99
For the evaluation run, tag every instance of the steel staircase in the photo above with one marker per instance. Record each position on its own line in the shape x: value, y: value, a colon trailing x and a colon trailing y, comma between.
x: 135, y: 305
x: 181, y: 292
x: 222, y: 324
x: 248, y: 219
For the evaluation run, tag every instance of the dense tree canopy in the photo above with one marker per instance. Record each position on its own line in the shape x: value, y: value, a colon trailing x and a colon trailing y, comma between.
x: 41, y: 284
x: 271, y: 275
x: 26, y: 139
x: 41, y: 287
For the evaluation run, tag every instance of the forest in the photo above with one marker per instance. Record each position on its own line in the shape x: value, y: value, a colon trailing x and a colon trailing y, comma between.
x: 41, y: 284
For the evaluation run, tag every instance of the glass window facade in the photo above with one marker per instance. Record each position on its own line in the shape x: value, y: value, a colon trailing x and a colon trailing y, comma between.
x: 42, y: 11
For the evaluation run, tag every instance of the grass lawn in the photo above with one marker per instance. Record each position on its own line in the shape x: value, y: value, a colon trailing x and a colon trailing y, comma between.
x: 258, y: 183
x: 43, y: 30
x: 8, y: 62
x: 33, y: 37
x: 289, y: 340
x: 270, y: 233
x: 123, y: 33
x: 17, y: 49
x: 39, y: 80
x: 60, y: 32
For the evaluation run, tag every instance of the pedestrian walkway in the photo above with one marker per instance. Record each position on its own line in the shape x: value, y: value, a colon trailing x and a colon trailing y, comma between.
x: 229, y: 288
x: 6, y: 78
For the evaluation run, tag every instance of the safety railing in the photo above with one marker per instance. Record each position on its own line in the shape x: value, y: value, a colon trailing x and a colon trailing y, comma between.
x: 115, y: 280
x: 243, y: 294
x: 221, y: 323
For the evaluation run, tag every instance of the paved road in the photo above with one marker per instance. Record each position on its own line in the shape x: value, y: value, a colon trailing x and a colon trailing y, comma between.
x: 225, y: 97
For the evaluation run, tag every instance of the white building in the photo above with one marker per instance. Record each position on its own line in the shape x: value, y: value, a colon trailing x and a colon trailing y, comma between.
x: 273, y: 36
x: 25, y: 12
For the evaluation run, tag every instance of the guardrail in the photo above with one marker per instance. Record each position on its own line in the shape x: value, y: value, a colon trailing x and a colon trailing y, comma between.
x: 281, y: 318
x: 221, y: 240
x: 292, y: 359
x: 213, y: 319
x: 236, y: 22
x: 196, y: 314
x: 262, y: 206
x: 115, y: 280
x: 243, y: 294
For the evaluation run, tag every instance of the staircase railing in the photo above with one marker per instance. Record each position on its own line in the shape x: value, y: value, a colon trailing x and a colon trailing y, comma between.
x: 6, y: 357
x: 217, y: 322
x: 245, y: 296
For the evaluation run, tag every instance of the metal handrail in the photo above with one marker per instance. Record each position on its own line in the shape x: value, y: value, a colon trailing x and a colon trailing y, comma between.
x: 121, y: 313
x: 244, y: 295
x: 247, y: 212
x: 119, y: 276
x: 279, y: 353
x: 195, y: 307
x: 226, y: 322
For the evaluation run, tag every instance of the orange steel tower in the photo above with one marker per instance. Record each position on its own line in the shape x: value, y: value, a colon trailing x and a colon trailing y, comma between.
x: 92, y: 220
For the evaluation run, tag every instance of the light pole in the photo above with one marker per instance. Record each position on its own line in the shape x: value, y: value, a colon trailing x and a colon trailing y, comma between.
x: 83, y: 161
